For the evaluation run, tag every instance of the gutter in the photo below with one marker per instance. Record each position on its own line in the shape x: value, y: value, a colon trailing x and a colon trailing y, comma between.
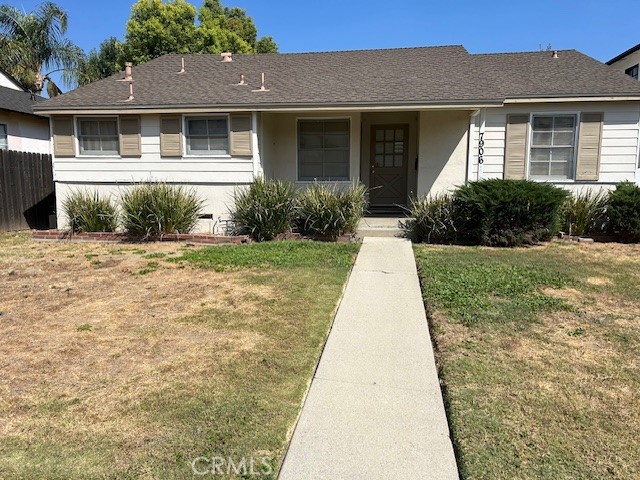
x: 111, y: 109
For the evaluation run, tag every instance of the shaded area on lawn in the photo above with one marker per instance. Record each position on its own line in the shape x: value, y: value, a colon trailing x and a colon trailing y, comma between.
x: 538, y: 349
x: 131, y: 361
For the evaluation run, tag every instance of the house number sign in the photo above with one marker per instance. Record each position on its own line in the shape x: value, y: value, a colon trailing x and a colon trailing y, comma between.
x: 481, y: 149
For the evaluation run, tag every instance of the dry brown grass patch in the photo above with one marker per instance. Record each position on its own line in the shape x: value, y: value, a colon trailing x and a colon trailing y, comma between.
x: 87, y: 336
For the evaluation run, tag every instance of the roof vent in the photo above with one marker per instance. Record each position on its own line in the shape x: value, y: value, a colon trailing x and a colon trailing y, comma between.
x: 555, y: 54
x: 128, y: 76
x: 241, y: 82
x: 130, y: 97
x: 226, y: 57
x: 181, y: 65
x: 262, y: 87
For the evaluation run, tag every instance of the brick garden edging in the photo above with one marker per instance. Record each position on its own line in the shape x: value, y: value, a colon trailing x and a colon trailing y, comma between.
x: 197, y: 238
x: 117, y: 237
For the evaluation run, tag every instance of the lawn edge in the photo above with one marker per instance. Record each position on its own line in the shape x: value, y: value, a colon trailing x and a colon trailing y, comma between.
x: 444, y: 388
x: 334, y: 314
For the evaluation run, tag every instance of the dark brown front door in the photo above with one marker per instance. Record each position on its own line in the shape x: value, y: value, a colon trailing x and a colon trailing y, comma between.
x: 388, y: 168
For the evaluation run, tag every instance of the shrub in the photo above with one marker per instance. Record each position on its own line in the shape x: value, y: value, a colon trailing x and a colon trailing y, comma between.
x: 263, y: 210
x: 431, y: 219
x: 508, y: 213
x: 89, y: 212
x: 582, y: 212
x: 156, y: 208
x: 330, y: 210
x: 623, y: 210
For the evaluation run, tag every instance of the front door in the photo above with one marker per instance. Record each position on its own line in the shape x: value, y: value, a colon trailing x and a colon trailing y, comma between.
x: 388, y: 169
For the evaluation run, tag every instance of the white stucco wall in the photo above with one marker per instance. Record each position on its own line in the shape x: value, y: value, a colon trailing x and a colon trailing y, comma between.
x: 26, y: 133
x: 442, y: 151
x: 217, y: 199
x: 280, y: 144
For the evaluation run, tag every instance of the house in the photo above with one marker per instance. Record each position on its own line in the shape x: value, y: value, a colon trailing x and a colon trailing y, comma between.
x: 20, y: 128
x: 403, y: 121
x: 628, y: 62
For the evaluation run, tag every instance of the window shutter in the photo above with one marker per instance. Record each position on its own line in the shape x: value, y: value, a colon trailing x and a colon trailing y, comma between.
x: 516, y: 147
x: 64, y: 144
x: 589, y: 143
x: 241, y: 136
x: 170, y: 136
x: 130, y: 136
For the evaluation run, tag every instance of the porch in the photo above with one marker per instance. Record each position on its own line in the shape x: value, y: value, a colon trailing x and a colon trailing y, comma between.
x: 396, y: 154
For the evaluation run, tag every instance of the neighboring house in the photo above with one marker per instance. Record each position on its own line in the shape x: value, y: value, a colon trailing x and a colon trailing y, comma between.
x: 403, y: 121
x: 628, y: 62
x: 20, y: 128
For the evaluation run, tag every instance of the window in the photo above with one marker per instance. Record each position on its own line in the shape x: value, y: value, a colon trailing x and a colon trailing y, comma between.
x: 553, y: 141
x: 207, y: 135
x: 632, y: 71
x: 98, y: 136
x: 4, y: 141
x: 323, y: 150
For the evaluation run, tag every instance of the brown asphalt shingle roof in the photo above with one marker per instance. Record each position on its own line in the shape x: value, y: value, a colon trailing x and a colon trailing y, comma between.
x: 17, y: 100
x: 426, y: 75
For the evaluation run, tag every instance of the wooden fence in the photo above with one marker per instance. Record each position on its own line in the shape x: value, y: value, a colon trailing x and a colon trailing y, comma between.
x: 26, y: 190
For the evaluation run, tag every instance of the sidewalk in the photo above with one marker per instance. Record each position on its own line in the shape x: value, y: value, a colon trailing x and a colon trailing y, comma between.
x: 375, y: 408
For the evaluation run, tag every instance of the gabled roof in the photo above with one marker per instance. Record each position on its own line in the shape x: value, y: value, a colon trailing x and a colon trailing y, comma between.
x: 18, y: 101
x: 395, y: 77
x: 624, y: 54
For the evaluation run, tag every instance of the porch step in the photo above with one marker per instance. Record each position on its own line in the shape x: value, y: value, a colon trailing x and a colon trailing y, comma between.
x: 380, y: 227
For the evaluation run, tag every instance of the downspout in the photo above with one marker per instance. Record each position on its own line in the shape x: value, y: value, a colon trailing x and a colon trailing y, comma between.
x: 255, y: 140
x: 471, y: 143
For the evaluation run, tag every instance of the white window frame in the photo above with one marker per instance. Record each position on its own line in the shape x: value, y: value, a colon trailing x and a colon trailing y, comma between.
x: 575, y: 146
x: 76, y: 129
x: 4, y: 145
x: 185, y: 136
x: 328, y: 119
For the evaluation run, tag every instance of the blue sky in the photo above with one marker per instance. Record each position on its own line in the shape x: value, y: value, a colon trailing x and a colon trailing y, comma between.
x: 599, y: 28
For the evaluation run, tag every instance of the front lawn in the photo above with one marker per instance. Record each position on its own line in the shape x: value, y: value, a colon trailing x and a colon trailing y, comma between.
x: 130, y: 361
x: 538, y: 350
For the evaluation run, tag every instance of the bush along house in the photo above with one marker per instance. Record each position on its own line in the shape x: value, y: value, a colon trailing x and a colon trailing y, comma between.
x: 404, y: 122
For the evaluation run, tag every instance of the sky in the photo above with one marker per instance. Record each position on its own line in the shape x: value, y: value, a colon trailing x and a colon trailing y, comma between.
x: 599, y: 28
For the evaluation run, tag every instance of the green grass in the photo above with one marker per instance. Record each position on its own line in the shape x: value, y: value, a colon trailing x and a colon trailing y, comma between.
x: 286, y: 254
x: 248, y: 355
x: 537, y: 349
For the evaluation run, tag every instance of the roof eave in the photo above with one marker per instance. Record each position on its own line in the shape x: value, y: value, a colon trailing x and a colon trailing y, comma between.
x: 623, y: 97
x: 449, y: 104
x: 623, y: 54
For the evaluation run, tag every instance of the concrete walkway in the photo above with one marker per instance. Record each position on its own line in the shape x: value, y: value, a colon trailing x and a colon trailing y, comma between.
x: 375, y: 409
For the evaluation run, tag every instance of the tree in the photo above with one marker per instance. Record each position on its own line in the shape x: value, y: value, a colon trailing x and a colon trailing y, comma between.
x: 156, y: 28
x: 266, y: 45
x: 32, y: 47
x: 101, y: 63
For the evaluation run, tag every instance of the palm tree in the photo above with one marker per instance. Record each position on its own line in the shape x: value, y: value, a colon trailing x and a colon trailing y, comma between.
x: 33, y: 47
